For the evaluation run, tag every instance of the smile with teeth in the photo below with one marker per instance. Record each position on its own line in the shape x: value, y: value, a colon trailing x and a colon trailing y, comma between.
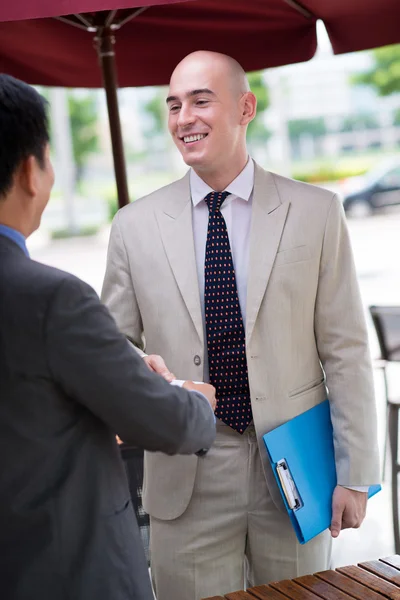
x: 194, y: 138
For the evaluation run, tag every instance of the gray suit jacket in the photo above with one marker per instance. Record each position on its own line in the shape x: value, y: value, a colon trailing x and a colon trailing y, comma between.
x: 69, y: 381
x: 306, y: 336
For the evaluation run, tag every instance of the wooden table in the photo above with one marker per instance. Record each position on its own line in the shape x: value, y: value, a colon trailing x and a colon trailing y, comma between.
x: 373, y: 580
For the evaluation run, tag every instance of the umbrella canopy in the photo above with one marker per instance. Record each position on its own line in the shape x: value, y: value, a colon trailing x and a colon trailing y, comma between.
x: 258, y: 33
x: 49, y: 43
x: 20, y: 10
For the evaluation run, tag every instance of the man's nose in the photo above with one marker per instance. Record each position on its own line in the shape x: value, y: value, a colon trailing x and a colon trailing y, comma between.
x: 185, y: 116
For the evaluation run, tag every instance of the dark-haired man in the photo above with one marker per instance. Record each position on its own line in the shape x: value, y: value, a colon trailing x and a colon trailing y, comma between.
x: 69, y: 381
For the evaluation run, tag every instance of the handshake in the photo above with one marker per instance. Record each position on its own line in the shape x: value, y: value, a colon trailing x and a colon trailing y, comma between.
x: 156, y: 364
x: 204, y: 388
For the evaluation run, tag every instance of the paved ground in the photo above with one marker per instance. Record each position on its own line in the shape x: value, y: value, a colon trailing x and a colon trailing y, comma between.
x: 376, y: 242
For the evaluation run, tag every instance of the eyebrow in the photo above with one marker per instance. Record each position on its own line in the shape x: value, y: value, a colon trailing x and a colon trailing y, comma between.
x: 191, y: 94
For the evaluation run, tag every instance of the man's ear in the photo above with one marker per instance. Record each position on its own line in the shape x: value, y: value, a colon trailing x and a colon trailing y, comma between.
x: 27, y: 175
x: 248, y: 107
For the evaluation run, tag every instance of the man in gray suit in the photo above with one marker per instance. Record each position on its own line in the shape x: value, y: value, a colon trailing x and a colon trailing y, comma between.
x: 69, y: 382
x: 245, y: 278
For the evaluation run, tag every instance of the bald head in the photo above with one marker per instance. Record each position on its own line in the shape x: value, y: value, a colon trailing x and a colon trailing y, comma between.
x: 209, y: 107
x: 223, y: 66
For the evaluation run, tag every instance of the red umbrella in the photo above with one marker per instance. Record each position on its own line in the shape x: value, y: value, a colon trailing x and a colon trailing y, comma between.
x: 55, y: 49
x: 259, y: 33
x: 46, y: 43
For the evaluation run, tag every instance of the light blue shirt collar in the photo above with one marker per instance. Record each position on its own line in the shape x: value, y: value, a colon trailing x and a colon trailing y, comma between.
x: 15, y: 236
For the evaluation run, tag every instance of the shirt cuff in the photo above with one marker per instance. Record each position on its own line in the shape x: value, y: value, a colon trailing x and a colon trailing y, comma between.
x: 357, y: 488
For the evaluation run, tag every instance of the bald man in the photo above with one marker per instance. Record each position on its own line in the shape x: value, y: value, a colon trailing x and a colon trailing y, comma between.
x: 246, y: 279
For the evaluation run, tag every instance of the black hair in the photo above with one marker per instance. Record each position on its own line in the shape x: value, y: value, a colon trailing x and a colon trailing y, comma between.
x: 24, y: 128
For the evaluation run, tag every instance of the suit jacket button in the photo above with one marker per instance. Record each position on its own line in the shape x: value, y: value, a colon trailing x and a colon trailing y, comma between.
x: 197, y: 360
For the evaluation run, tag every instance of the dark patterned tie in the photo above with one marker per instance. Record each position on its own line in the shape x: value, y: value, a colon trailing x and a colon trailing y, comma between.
x: 226, y: 342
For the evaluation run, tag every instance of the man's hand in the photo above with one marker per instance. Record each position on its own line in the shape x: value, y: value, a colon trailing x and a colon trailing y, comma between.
x: 348, y: 509
x: 156, y: 363
x: 205, y: 388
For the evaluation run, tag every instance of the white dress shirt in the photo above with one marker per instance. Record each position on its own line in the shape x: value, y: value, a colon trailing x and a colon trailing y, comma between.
x: 236, y: 210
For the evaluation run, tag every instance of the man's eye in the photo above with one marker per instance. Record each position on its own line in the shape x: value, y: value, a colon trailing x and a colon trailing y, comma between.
x: 173, y: 108
x: 202, y: 102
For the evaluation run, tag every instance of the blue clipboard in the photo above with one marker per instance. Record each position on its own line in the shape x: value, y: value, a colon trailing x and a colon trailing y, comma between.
x: 302, y: 458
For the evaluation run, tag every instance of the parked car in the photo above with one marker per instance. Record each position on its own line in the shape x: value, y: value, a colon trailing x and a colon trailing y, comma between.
x: 366, y: 194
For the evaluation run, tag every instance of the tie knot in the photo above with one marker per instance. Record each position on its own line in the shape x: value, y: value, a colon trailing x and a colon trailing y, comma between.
x: 214, y: 200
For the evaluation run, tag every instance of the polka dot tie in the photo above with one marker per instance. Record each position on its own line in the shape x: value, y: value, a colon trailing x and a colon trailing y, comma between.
x: 226, y: 342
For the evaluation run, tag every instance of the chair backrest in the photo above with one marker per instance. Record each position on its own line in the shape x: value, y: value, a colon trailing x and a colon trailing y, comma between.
x: 386, y: 320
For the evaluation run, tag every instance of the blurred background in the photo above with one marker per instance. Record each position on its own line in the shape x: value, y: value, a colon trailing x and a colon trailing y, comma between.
x: 333, y: 121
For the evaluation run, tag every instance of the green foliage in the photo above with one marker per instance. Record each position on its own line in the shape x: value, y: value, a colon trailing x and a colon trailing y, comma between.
x: 155, y: 109
x: 384, y: 76
x: 113, y: 206
x: 327, y: 173
x: 314, y: 127
x: 359, y: 122
x: 334, y: 169
x: 83, y: 118
x: 256, y: 131
x: 112, y: 203
x: 88, y: 230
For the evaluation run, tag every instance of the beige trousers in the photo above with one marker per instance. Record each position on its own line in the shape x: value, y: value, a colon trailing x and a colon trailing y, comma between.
x: 231, y: 534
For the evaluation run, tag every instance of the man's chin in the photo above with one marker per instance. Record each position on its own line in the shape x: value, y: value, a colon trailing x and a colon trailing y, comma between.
x: 196, y: 162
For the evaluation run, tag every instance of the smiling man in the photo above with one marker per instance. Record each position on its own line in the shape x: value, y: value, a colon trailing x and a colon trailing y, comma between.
x: 246, y: 279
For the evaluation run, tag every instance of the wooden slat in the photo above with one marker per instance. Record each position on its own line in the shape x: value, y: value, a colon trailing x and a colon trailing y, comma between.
x: 371, y: 581
x: 321, y: 588
x: 264, y: 592
x: 293, y: 590
x: 351, y: 587
x: 393, y: 561
x: 382, y: 570
x: 240, y: 595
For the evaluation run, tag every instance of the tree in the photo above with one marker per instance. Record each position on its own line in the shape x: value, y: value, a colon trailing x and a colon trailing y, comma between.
x: 384, y: 76
x: 359, y: 122
x: 313, y: 127
x: 155, y: 109
x: 83, y: 118
x: 257, y: 131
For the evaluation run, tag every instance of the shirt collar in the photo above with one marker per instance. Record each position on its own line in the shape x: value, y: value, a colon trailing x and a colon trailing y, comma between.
x: 15, y: 236
x: 241, y: 187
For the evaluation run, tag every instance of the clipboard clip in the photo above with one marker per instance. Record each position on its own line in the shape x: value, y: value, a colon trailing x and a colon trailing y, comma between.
x: 289, y: 488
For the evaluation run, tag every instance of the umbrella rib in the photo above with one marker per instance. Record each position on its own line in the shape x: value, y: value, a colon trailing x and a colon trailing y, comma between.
x: 134, y: 14
x: 110, y: 18
x: 73, y: 23
x: 83, y: 20
x: 300, y: 8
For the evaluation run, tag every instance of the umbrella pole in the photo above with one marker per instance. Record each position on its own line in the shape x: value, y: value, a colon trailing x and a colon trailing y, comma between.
x: 106, y: 54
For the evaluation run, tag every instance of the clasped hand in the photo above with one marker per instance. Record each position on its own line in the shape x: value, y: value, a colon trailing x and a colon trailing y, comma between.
x: 348, y: 509
x: 157, y: 364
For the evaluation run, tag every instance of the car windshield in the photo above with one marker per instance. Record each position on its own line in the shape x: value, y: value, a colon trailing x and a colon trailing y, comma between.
x: 378, y: 172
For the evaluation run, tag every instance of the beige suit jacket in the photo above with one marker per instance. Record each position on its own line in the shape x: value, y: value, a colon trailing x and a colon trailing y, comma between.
x: 306, y: 336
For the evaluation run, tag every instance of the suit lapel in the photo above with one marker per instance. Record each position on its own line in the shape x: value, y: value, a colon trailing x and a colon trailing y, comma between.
x: 176, y: 228
x: 268, y: 221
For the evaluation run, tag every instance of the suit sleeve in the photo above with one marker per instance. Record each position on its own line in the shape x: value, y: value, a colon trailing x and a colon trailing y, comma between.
x: 342, y: 341
x: 95, y: 366
x: 118, y: 293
